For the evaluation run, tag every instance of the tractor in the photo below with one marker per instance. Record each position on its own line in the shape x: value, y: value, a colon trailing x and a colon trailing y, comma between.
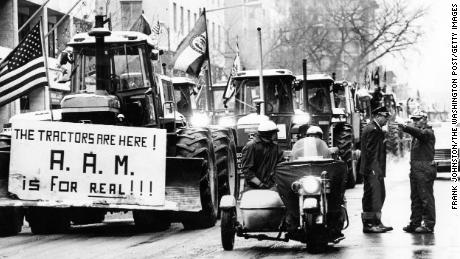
x: 331, y: 106
x: 113, y: 89
x: 223, y: 137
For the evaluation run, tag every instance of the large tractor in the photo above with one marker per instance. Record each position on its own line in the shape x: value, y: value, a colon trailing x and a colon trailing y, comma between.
x: 113, y: 91
x: 331, y: 105
x: 223, y: 137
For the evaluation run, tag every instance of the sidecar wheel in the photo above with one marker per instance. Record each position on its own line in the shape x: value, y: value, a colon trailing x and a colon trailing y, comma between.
x: 227, y: 228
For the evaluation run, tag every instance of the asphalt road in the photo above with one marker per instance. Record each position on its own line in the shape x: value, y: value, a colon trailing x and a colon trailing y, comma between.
x: 117, y: 237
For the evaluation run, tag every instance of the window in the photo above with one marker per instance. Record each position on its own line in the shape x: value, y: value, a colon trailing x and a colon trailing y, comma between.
x: 194, y: 17
x: 181, y: 20
x: 214, y: 35
x: 130, y: 11
x: 188, y: 19
x: 175, y: 16
x: 51, y: 42
x: 218, y: 37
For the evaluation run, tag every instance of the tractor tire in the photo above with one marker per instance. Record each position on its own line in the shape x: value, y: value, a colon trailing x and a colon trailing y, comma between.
x: 225, y: 152
x: 343, y: 140
x: 146, y: 220
x: 44, y: 220
x: 197, y: 142
x: 11, y: 220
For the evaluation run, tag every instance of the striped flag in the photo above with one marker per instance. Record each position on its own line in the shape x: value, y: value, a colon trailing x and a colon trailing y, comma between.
x: 156, y: 28
x: 191, y: 52
x: 230, y: 89
x: 23, y: 70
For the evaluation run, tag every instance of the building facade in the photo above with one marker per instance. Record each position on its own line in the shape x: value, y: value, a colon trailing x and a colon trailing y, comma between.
x: 63, y: 19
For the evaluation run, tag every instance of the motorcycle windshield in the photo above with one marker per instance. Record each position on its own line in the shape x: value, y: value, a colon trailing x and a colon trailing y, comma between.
x: 310, y: 149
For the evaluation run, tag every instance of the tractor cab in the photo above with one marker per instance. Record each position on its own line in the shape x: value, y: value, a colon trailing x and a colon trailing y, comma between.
x: 278, y: 103
x: 184, y: 88
x: 124, y: 92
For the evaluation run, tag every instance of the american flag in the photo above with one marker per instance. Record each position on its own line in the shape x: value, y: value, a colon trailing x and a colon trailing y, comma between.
x: 24, y: 68
x: 156, y: 28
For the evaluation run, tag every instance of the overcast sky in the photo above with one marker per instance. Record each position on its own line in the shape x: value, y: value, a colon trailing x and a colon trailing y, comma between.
x: 427, y: 66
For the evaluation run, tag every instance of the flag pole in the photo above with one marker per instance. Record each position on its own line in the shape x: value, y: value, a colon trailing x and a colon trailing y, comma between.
x: 47, y: 88
x: 210, y: 97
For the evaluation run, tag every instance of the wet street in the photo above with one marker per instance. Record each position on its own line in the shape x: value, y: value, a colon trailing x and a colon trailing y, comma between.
x: 117, y: 238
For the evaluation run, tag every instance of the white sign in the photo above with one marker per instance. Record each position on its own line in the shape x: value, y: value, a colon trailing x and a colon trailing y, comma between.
x: 75, y: 163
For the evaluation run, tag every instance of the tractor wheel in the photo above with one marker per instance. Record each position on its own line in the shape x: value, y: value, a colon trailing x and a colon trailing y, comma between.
x: 146, y: 220
x: 11, y: 219
x: 225, y: 152
x: 48, y: 220
x: 343, y: 140
x: 198, y: 143
x: 227, y: 229
x: 392, y: 140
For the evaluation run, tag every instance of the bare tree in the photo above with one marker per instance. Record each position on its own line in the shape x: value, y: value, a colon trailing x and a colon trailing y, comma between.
x: 345, y: 36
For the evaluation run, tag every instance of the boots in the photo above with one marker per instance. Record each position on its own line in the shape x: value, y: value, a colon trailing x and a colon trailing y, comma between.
x: 370, y: 223
x: 380, y: 224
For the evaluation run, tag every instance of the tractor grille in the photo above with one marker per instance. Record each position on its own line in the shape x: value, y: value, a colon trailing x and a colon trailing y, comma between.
x: 188, y: 198
x: 442, y: 154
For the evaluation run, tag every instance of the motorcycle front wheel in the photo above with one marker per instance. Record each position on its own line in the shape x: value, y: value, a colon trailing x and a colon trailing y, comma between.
x: 227, y: 228
x: 316, y: 235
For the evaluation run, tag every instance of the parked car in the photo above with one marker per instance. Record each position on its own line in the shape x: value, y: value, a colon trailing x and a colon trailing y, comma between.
x: 442, y: 146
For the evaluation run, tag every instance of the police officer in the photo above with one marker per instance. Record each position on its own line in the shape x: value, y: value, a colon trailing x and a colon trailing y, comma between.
x: 422, y: 174
x: 373, y: 166
x: 314, y: 138
x: 260, y: 156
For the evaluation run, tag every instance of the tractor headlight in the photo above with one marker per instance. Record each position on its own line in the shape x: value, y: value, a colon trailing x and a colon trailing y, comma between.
x: 301, y: 118
x: 307, y: 185
x: 200, y: 120
x: 226, y: 122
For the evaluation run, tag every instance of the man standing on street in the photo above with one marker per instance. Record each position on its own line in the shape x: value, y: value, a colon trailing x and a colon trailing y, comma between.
x: 373, y: 166
x: 260, y: 156
x: 422, y: 175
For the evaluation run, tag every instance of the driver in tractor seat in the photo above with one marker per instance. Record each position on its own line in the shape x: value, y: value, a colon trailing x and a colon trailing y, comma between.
x: 260, y: 157
x: 319, y: 101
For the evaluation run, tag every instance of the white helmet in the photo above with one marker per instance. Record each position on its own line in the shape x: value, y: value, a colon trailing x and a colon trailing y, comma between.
x: 267, y: 126
x: 314, y: 130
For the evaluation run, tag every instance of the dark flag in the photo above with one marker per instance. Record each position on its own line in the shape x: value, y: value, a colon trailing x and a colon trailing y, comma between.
x: 23, y: 70
x: 191, y: 52
x: 141, y: 25
x: 377, y: 77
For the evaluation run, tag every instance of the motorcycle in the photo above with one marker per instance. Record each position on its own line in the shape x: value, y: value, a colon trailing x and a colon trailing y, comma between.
x: 308, y: 205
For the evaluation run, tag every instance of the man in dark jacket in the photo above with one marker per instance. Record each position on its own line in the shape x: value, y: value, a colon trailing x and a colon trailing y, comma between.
x: 422, y: 175
x: 373, y: 166
x: 260, y: 156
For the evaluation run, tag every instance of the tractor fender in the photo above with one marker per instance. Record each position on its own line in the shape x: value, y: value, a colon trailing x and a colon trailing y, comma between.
x: 227, y: 202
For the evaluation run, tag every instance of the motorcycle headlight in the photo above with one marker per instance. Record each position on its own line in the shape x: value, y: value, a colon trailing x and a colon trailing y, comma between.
x: 307, y: 185
x: 226, y: 122
x: 200, y: 120
x: 301, y: 119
